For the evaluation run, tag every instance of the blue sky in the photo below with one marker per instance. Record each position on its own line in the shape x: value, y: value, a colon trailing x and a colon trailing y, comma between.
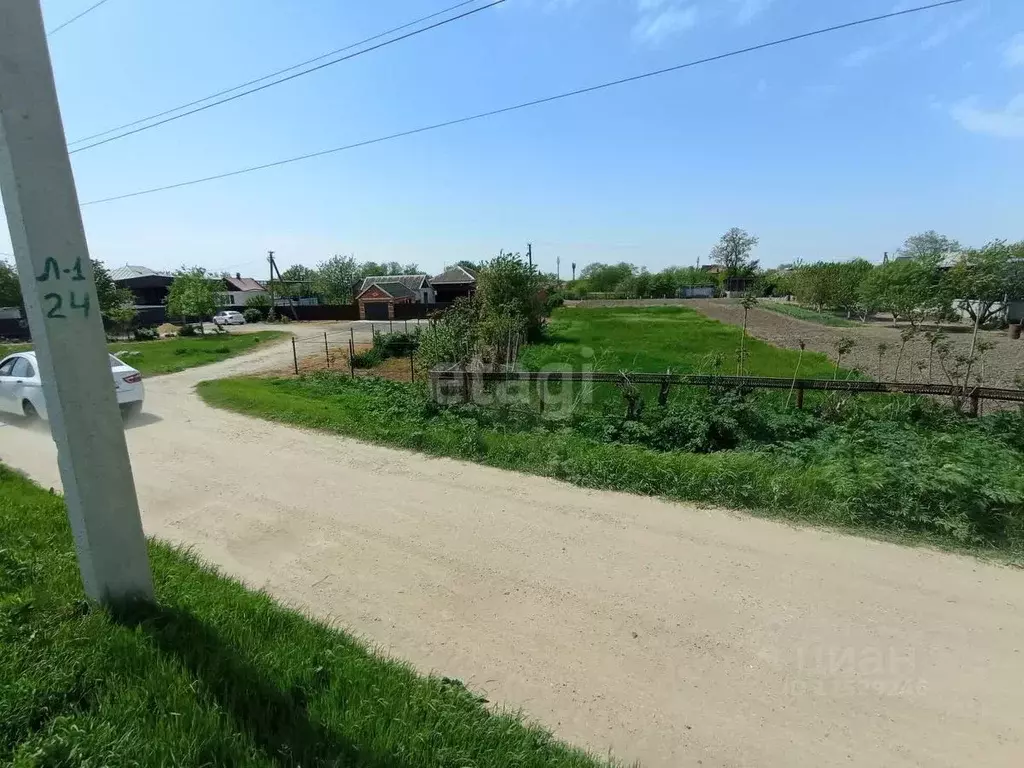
x: 830, y: 148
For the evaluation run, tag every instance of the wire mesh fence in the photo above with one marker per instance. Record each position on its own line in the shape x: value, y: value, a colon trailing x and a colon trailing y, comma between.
x: 381, y: 348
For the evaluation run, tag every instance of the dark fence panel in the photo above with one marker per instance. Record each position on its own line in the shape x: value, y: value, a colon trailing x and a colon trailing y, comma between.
x: 323, y: 312
x: 419, y: 311
x: 13, y: 328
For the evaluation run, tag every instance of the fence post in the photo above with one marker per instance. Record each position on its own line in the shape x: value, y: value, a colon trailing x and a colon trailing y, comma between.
x: 352, y: 351
x: 800, y: 398
x: 295, y: 357
x: 663, y: 394
x: 391, y: 326
x: 327, y: 350
x: 412, y: 365
x: 975, y: 401
x: 406, y: 327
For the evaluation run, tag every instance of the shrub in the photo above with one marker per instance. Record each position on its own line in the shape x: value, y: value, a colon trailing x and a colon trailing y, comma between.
x: 188, y: 330
x: 145, y: 334
x: 252, y: 314
x: 367, y: 359
x: 395, y: 344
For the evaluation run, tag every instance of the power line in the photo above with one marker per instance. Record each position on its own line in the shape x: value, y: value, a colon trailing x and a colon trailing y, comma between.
x: 273, y: 74
x: 290, y: 77
x: 73, y: 19
x: 526, y: 104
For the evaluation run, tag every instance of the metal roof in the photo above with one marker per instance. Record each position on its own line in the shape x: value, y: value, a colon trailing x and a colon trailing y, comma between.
x: 412, y: 282
x: 129, y: 272
x: 457, y: 275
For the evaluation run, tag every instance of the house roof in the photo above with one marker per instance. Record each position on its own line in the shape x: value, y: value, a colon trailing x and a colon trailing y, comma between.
x: 129, y: 272
x: 243, y: 284
x: 456, y: 275
x: 395, y: 290
x: 412, y: 282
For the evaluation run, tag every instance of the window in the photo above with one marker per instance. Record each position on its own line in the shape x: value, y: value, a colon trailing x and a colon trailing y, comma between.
x: 22, y: 369
x: 5, y: 369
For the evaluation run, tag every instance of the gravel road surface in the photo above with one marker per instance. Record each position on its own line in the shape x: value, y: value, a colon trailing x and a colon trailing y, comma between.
x: 667, y: 634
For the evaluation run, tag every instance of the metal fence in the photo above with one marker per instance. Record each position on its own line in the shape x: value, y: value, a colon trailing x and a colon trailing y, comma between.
x: 339, y: 350
x: 458, y: 382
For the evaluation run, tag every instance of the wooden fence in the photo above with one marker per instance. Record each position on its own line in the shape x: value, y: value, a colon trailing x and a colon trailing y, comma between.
x: 452, y: 382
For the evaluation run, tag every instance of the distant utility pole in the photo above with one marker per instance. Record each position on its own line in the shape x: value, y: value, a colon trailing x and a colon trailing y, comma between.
x: 270, y: 260
x: 64, y: 316
x: 529, y: 253
x: 558, y: 268
x: 574, y: 271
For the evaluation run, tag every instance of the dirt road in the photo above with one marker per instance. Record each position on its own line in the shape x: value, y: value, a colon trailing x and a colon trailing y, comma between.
x: 670, y: 635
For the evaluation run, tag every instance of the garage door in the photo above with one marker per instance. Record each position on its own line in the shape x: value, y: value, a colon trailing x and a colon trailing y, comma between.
x: 376, y: 310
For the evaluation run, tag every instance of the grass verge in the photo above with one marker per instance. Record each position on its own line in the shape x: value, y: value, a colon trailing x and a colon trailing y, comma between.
x: 153, y: 358
x: 215, y: 675
x: 802, y: 313
x: 904, y: 470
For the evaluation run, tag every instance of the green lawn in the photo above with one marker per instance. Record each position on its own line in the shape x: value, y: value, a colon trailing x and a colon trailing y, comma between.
x: 802, y: 313
x: 153, y: 358
x: 215, y: 675
x: 655, y: 339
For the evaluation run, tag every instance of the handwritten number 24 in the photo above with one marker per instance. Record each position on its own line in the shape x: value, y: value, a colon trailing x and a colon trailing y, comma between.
x: 56, y: 304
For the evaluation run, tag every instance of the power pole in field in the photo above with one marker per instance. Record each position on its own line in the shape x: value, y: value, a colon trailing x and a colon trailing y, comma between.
x: 574, y: 271
x: 529, y: 253
x: 558, y: 268
x: 270, y: 258
x: 64, y: 316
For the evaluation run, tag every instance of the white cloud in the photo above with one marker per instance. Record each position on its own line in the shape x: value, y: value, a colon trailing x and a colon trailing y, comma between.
x: 1007, y: 123
x: 656, y: 27
x: 945, y: 31
x: 748, y: 10
x: 1013, y: 56
x: 861, y: 56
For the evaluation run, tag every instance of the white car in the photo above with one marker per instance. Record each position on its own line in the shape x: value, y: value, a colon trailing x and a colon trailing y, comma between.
x: 21, y: 388
x: 229, y: 317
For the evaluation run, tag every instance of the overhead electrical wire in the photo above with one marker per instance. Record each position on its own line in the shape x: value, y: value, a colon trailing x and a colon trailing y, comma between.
x: 533, y: 103
x: 268, y: 76
x: 263, y: 87
x: 73, y: 19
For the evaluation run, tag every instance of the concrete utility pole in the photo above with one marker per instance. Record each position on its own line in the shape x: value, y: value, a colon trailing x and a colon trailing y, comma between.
x: 270, y: 258
x: 529, y: 253
x: 64, y: 315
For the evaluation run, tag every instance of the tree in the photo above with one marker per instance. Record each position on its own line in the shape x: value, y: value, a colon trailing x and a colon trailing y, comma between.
x: 928, y: 244
x: 10, y: 288
x: 508, y: 288
x: 117, y: 305
x: 733, y: 253
x: 193, y: 294
x: 983, y: 279
x: 909, y: 289
x: 334, y: 279
x: 603, y: 278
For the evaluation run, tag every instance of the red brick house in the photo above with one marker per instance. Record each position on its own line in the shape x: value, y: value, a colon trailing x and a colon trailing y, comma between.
x: 377, y: 300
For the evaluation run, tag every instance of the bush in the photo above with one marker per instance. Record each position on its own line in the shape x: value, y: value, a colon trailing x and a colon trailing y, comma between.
x: 252, y: 314
x: 395, y: 344
x: 368, y: 359
x: 188, y: 330
x: 145, y: 334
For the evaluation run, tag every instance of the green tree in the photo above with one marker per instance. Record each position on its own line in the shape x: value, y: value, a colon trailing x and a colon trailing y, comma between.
x: 334, y: 280
x: 10, y: 288
x: 508, y: 288
x: 983, y: 279
x: 908, y: 289
x: 193, y: 294
x: 603, y: 278
x: 117, y: 305
x: 928, y: 245
x: 733, y: 251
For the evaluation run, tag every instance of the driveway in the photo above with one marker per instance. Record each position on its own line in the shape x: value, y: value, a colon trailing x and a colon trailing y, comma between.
x: 664, y: 633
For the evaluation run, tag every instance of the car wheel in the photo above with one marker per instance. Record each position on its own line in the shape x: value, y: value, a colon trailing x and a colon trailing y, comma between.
x: 31, y: 414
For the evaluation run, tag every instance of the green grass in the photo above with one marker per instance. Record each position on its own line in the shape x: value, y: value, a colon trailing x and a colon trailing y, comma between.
x: 900, y: 468
x: 655, y: 339
x: 153, y: 358
x: 802, y: 313
x: 215, y: 675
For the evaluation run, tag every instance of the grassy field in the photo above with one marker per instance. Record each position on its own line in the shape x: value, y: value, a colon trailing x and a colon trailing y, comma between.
x: 172, y: 355
x: 901, y: 467
x: 214, y: 675
x: 802, y: 313
x: 655, y: 339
